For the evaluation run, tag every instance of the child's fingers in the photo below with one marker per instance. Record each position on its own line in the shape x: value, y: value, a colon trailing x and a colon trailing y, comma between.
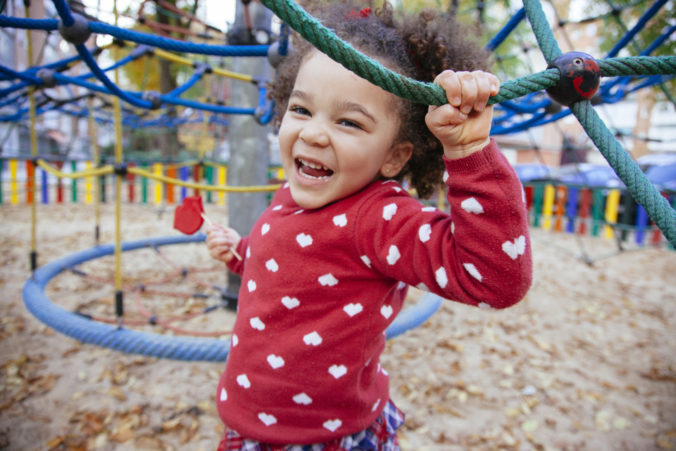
x: 470, y: 91
x: 450, y: 82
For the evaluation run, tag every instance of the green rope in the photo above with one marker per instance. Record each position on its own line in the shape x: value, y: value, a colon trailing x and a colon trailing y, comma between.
x: 638, y: 65
x: 543, y: 32
x: 637, y: 182
x: 640, y: 187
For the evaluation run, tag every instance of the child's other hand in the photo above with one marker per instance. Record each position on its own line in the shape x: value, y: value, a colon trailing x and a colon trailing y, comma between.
x: 220, y: 242
x: 464, y: 123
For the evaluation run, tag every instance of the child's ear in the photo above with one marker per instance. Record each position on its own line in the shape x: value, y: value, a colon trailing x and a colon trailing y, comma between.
x: 397, y: 158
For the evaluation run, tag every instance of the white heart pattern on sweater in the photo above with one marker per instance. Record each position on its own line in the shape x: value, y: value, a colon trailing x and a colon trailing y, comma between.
x: 441, y: 277
x: 256, y: 323
x: 275, y: 361
x: 267, y: 419
x: 515, y: 248
x: 333, y: 425
x: 472, y: 205
x: 389, y: 211
x: 470, y: 268
x: 424, y: 233
x: 328, y: 280
x: 271, y: 265
x: 290, y: 302
x: 243, y: 381
x: 338, y: 371
x: 393, y: 255
x: 302, y: 398
x: 312, y: 339
x: 304, y: 240
x: 352, y: 309
x: 340, y: 220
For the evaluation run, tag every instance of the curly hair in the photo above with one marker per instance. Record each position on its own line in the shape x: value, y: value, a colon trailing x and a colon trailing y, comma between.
x: 419, y: 46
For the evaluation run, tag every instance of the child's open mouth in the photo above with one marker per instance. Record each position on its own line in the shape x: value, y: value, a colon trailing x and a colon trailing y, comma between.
x: 312, y: 170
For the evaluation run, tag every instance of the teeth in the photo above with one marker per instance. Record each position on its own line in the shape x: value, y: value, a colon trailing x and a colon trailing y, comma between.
x: 313, y: 166
x: 314, y: 177
x: 302, y: 164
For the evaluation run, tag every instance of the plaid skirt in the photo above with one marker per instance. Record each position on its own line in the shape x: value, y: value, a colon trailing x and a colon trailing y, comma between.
x: 380, y: 436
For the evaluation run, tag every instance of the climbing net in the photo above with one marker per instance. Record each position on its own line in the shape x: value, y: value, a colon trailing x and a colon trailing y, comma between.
x: 76, y: 30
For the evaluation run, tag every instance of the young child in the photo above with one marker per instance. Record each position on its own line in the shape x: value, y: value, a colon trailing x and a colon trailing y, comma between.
x: 327, y: 265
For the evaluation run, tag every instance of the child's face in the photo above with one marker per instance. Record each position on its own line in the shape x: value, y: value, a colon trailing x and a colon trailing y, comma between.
x: 337, y: 134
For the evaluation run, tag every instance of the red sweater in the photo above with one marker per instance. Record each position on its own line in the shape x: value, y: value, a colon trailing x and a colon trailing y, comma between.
x: 320, y: 287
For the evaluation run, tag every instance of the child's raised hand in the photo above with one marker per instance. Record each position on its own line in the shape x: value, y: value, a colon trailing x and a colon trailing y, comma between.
x: 464, y: 123
x: 221, y: 242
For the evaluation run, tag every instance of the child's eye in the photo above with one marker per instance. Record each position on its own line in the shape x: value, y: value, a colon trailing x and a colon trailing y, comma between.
x: 349, y: 123
x: 299, y: 110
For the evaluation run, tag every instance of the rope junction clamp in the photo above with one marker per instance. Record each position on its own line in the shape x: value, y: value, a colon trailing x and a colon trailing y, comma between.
x: 78, y: 32
x: 579, y: 78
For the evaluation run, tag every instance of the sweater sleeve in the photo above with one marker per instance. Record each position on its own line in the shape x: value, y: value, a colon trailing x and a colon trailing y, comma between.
x: 479, y: 254
x: 236, y: 266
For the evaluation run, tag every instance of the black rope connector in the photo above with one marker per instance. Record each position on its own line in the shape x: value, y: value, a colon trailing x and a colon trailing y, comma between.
x: 553, y: 107
x: 202, y: 68
x: 47, y: 77
x: 154, y: 99
x: 260, y: 113
x: 78, y: 32
x: 274, y: 56
x: 579, y: 78
x: 33, y: 260
x: 119, y: 304
x: 84, y: 315
x: 120, y: 169
x: 142, y: 50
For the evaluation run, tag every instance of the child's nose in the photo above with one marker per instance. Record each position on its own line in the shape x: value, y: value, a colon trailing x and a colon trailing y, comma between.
x: 314, y: 133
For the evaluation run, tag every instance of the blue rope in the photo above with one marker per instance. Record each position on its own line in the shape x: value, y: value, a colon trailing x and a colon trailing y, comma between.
x: 126, y: 60
x: 500, y: 37
x: 64, y: 12
x: 638, y: 27
x: 20, y: 75
x: 207, y: 107
x: 197, y: 76
x: 149, y: 344
x: 29, y: 24
x: 178, y: 46
x: 112, y: 87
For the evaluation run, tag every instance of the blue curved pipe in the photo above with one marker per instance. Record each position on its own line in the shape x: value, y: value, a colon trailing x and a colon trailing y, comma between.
x: 149, y: 344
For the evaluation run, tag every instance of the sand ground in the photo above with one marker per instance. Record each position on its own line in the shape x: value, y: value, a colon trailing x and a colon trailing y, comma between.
x: 586, y: 362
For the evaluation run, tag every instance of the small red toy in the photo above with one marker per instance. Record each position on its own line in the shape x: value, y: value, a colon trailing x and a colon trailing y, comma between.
x: 189, y: 217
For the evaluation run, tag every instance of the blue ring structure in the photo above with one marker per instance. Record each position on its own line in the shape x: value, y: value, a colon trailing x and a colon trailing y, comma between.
x: 150, y: 344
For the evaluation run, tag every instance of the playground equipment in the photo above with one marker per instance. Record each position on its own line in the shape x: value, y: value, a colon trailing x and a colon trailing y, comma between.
x: 76, y: 29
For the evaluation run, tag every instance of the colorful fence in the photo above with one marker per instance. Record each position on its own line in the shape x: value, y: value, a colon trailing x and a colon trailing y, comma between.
x: 603, y: 212
x: 609, y: 213
x: 18, y: 176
